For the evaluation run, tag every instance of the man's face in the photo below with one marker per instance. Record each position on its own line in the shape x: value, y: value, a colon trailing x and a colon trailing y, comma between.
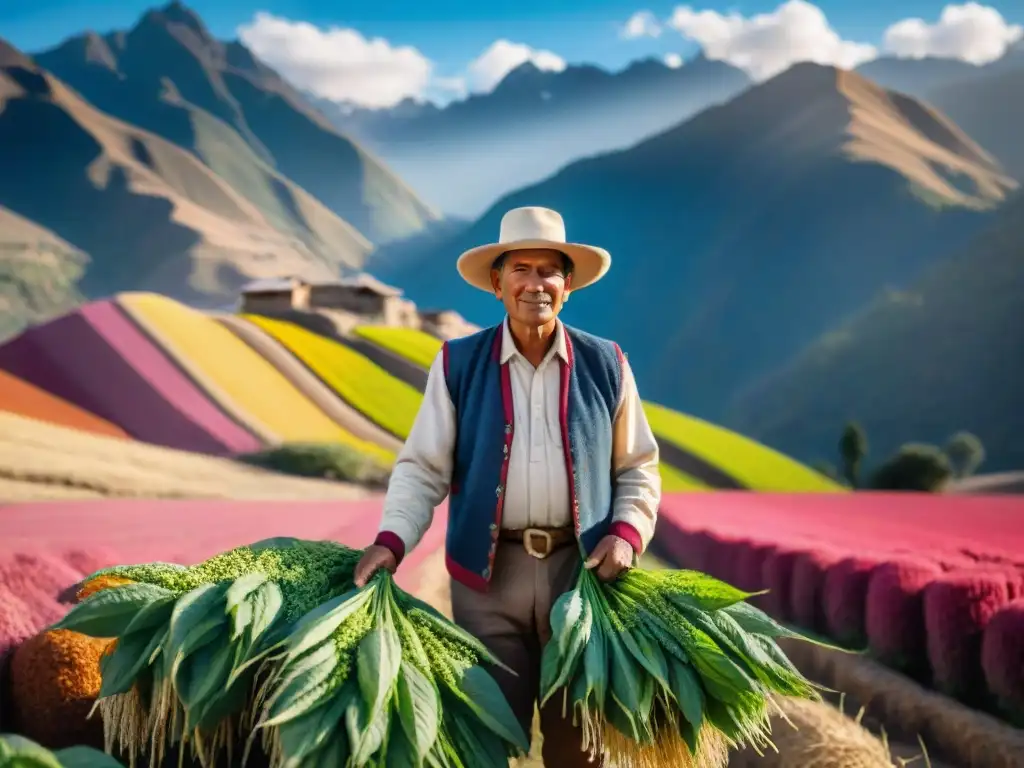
x: 532, y: 285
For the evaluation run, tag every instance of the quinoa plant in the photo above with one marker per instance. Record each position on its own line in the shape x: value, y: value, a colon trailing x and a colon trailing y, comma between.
x: 666, y: 668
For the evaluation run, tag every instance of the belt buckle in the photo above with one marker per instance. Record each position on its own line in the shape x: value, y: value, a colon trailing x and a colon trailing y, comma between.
x: 528, y: 535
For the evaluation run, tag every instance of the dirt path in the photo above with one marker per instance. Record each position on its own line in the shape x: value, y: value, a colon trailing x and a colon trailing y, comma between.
x: 308, y: 384
x: 43, y: 461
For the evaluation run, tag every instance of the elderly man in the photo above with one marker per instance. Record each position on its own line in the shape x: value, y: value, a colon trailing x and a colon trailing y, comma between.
x: 536, y: 431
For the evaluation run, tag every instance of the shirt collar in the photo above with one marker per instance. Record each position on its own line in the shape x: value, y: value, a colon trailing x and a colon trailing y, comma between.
x: 509, y: 350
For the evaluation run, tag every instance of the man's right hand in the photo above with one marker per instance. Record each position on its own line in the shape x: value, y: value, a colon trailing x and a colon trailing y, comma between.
x: 374, y: 558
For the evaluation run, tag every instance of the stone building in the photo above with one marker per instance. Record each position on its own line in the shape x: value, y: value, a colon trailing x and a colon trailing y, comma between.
x: 364, y: 297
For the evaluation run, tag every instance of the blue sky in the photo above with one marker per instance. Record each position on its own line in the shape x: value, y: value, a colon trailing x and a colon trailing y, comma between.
x: 451, y: 33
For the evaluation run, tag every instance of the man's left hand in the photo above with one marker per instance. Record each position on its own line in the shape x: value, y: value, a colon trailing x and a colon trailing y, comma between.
x: 612, y: 556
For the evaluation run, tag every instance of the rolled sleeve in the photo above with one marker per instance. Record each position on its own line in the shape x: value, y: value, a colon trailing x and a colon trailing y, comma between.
x: 635, y: 459
x: 422, y: 473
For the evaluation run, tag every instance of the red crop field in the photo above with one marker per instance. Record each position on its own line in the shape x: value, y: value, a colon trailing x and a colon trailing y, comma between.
x: 924, y: 581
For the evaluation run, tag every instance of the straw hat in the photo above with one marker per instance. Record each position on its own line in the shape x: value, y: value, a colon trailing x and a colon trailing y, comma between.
x: 533, y: 227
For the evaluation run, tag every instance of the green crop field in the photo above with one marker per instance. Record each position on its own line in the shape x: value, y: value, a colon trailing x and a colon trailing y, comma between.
x: 388, y: 402
x: 415, y: 346
x: 753, y: 464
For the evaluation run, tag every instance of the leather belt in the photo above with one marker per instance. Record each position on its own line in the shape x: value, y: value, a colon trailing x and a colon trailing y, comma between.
x: 540, y: 542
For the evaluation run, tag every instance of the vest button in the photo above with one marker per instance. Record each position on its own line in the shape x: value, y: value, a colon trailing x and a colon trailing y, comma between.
x: 494, y: 526
x: 498, y: 490
x: 508, y: 429
x: 486, y: 573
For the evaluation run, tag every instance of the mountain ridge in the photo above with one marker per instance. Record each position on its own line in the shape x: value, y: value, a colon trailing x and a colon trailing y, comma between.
x: 169, y: 53
x: 719, y: 226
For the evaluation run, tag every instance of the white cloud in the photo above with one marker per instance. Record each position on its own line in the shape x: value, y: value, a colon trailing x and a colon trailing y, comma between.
x: 487, y: 70
x: 766, y: 44
x: 971, y: 32
x: 673, y: 60
x: 641, y: 24
x: 338, y: 63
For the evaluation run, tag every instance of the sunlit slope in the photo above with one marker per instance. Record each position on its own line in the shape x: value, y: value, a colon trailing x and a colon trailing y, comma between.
x: 388, y: 402
x: 415, y: 346
x: 236, y: 377
x: 24, y: 399
x: 753, y: 465
x: 727, y: 458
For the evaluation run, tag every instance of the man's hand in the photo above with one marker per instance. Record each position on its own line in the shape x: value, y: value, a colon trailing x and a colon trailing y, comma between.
x: 612, y: 556
x: 374, y: 558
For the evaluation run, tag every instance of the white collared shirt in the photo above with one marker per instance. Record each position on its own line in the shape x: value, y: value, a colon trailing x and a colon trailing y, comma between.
x: 537, y: 490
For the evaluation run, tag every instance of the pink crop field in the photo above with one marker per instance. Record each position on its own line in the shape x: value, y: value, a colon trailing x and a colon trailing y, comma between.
x: 929, y: 584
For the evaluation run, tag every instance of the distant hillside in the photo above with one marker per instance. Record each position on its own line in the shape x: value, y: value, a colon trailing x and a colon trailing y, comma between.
x: 147, y: 212
x: 990, y: 108
x: 169, y: 75
x: 39, y: 274
x: 466, y: 155
x: 917, y: 77
x: 916, y: 365
x: 743, y: 234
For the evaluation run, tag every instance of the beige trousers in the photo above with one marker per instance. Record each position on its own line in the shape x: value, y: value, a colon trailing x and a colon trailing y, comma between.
x: 513, y: 621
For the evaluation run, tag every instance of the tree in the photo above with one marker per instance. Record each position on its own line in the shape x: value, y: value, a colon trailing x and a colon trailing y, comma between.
x: 966, y: 453
x: 915, y: 467
x: 853, y: 447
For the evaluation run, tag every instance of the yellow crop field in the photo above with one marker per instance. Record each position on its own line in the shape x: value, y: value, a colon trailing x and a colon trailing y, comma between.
x: 363, y: 384
x: 755, y: 465
x: 676, y: 481
x: 415, y: 346
x: 237, y: 377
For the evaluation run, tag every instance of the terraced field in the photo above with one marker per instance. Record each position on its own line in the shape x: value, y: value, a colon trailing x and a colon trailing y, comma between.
x: 235, y: 376
x: 696, y: 455
x: 385, y: 400
x: 150, y: 368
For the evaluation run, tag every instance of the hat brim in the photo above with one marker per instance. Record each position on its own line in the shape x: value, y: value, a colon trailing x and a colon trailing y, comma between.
x: 589, y: 262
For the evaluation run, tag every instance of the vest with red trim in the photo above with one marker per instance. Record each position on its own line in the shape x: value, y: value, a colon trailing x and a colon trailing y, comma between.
x: 481, y: 390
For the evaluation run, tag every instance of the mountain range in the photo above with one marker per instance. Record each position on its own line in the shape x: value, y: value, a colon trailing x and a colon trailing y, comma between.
x: 531, y: 124
x: 766, y: 236
x: 745, y: 234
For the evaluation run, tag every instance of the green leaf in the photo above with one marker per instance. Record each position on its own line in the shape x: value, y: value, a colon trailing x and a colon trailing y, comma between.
x: 479, y: 691
x: 107, y: 613
x: 368, y: 732
x: 241, y: 588
x: 303, y: 685
x: 595, y: 665
x: 400, y: 751
x: 19, y: 751
x: 195, y: 618
x: 377, y: 662
x: 310, y: 731
x: 689, y: 695
x: 207, y: 672
x: 85, y: 757
x: 156, y: 614
x: 479, y: 748
x: 332, y: 754
x: 556, y: 674
x: 623, y: 720
x: 266, y: 601
x: 320, y: 623
x: 625, y: 674
x: 566, y: 614
x: 419, y: 705
x: 133, y: 652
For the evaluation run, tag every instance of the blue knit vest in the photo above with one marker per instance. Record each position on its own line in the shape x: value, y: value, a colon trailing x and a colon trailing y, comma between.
x: 481, y: 391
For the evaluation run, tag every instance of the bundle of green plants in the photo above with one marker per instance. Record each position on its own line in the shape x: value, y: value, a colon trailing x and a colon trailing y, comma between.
x: 19, y: 752
x: 272, y: 643
x: 667, y: 668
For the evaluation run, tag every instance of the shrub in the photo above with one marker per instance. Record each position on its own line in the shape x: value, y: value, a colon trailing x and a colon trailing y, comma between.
x: 845, y: 600
x: 915, y: 467
x: 1002, y: 659
x: 807, y: 588
x: 895, y: 614
x: 329, y: 461
x: 55, y: 678
x: 957, y: 608
x: 777, y: 575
